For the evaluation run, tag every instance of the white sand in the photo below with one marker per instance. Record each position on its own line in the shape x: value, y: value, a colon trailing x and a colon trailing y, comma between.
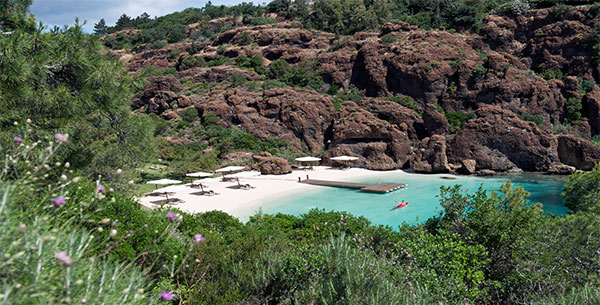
x: 242, y: 203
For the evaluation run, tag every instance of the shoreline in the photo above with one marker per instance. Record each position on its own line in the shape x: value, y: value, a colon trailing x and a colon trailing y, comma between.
x: 268, y: 188
x: 243, y: 204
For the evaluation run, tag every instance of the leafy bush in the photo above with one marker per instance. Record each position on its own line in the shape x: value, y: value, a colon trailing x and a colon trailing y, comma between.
x: 405, y: 101
x: 189, y: 114
x: 389, y: 38
x: 480, y: 71
x: 582, y: 190
x: 273, y: 83
x: 536, y: 118
x: 245, y: 39
x: 191, y: 62
x: 53, y: 79
x: 573, y: 110
x: 456, y: 120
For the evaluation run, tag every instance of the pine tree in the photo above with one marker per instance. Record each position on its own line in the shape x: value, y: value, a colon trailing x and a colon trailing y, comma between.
x: 100, y: 28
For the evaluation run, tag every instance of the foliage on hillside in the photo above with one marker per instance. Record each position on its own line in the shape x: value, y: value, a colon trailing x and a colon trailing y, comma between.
x: 483, y: 248
x: 63, y: 81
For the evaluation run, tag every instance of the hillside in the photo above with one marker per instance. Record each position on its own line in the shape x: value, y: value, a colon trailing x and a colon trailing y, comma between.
x: 444, y: 87
x: 520, y: 94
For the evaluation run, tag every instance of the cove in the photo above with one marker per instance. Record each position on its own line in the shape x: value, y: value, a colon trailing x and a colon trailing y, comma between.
x: 422, y: 193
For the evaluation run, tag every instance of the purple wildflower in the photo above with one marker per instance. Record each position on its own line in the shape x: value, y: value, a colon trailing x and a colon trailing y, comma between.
x: 61, y: 138
x: 17, y: 140
x: 166, y: 295
x: 58, y: 201
x: 63, y: 258
x: 198, y: 238
x: 171, y: 216
x: 100, y: 188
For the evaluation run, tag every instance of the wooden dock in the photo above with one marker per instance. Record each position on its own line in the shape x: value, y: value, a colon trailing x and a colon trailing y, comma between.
x: 381, y: 187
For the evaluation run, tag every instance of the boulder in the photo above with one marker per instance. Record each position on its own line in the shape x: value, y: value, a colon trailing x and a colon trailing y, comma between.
x: 577, y: 152
x: 269, y: 165
x: 467, y: 167
x: 561, y: 169
x: 499, y: 140
x: 434, y: 121
x: 431, y: 156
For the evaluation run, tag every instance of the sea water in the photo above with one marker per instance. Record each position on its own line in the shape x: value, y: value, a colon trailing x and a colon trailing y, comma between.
x: 422, y: 194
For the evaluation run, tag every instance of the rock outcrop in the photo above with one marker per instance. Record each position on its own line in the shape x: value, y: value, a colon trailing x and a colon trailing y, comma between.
x: 516, y: 68
x: 498, y: 140
x: 269, y: 165
x: 430, y: 156
x: 577, y: 152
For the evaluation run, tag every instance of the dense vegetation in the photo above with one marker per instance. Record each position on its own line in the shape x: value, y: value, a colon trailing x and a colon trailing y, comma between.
x: 68, y: 236
x: 483, y: 247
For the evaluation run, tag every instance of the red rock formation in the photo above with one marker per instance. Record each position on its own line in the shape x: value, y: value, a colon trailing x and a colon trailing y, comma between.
x: 498, y: 140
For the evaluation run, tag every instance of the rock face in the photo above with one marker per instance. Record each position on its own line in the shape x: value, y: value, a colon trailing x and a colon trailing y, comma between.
x: 577, y: 152
x: 158, y: 96
x: 498, y: 140
x: 468, y: 166
x: 269, y: 165
x: 361, y: 133
x: 431, y: 156
x: 561, y: 169
x: 496, y: 74
x: 434, y: 121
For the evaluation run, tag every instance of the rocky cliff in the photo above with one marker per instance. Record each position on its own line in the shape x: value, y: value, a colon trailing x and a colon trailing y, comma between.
x: 517, y: 69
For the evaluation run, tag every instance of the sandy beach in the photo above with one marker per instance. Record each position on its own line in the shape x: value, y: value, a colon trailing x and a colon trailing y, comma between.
x: 267, y: 188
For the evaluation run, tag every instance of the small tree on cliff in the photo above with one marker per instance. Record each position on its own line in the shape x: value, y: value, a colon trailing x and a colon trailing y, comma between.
x: 100, y: 28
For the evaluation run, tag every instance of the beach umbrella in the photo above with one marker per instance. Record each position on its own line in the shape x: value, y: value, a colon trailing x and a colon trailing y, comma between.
x: 163, y: 182
x: 199, y: 174
x: 248, y: 174
x: 308, y: 159
x: 344, y: 159
x: 229, y: 169
x: 198, y: 182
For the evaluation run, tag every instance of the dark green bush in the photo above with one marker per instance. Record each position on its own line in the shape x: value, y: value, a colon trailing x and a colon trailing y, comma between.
x: 536, y: 118
x: 572, y: 110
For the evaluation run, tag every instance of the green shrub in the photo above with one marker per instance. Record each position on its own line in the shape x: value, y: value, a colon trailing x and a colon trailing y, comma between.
x: 456, y: 120
x: 389, y: 38
x: 536, y: 118
x: 174, y: 54
x: 191, y: 62
x: 245, y: 39
x: 405, y: 101
x: 157, y: 45
x: 572, y: 110
x: 273, y: 83
x: 480, y: 71
x: 189, y: 114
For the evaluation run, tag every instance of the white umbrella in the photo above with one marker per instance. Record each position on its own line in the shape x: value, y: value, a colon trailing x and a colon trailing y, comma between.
x: 163, y: 182
x: 199, y: 174
x: 344, y: 158
x: 245, y: 174
x: 308, y: 159
x: 229, y: 169
x: 239, y: 175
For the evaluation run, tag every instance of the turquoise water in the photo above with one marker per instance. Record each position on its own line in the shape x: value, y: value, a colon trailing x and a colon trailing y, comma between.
x: 422, y: 193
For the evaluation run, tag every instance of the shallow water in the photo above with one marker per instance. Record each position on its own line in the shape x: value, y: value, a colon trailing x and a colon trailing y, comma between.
x: 422, y: 193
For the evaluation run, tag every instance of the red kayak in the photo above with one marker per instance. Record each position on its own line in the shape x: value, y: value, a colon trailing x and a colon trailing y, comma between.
x: 403, y: 204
